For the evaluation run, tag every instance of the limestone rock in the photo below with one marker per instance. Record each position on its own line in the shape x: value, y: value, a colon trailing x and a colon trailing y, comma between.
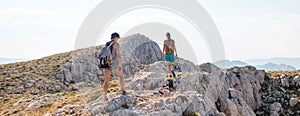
x: 162, y: 113
x: 146, y: 81
x: 243, y: 108
x: 293, y: 101
x: 72, y: 110
x: 275, y: 107
x: 98, y: 109
x: 123, y: 112
x: 274, y: 113
x: 136, y: 50
x: 297, y: 81
x: 284, y: 81
x: 203, y: 89
x: 228, y: 107
x: 124, y: 101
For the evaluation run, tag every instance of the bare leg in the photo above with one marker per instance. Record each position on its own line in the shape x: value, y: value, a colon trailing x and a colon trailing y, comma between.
x: 121, y: 77
x: 169, y: 68
x: 107, y: 74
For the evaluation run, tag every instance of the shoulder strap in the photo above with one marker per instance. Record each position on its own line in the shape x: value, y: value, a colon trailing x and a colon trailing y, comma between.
x: 110, y: 44
x: 105, y: 50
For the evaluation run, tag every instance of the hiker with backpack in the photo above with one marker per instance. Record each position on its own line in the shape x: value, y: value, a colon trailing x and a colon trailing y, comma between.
x: 110, y: 60
x: 168, y: 53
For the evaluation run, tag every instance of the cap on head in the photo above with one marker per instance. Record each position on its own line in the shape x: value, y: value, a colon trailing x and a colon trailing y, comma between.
x: 114, y: 35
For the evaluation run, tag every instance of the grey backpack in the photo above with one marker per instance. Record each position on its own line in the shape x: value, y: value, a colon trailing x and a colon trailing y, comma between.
x: 105, y: 56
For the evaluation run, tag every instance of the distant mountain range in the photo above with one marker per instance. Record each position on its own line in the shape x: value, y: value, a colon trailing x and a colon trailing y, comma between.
x: 229, y: 64
x: 264, y: 64
x: 288, y: 61
x: 9, y: 60
x: 275, y: 67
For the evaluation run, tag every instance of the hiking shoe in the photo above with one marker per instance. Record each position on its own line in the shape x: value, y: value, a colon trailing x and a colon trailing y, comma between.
x: 124, y: 93
x: 125, y: 106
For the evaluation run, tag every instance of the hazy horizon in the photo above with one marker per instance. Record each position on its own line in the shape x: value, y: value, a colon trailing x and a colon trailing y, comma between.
x: 249, y: 29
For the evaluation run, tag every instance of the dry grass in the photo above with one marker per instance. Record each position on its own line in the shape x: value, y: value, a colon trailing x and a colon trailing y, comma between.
x: 93, y: 94
x: 40, y: 70
x: 277, y: 74
x: 114, y: 86
x: 7, y: 105
x: 51, y: 107
x: 45, y: 71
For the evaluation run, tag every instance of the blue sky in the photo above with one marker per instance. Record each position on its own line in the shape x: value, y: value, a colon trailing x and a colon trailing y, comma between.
x: 249, y: 28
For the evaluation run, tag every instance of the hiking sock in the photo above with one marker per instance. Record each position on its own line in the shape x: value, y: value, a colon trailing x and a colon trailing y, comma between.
x: 173, y: 73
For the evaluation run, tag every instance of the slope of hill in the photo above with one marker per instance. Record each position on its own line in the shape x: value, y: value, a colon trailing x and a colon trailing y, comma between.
x: 29, y: 80
x: 70, y: 84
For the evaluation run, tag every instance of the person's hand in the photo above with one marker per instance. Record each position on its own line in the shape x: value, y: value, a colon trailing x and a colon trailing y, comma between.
x: 163, y: 56
x: 120, y: 67
x: 96, y: 53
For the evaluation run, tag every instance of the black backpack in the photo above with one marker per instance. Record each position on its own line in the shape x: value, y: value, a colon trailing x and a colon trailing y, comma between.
x: 105, y: 56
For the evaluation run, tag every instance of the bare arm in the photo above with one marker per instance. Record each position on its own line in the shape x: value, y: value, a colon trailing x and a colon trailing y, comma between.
x: 163, y: 53
x: 118, y: 55
x: 96, y: 52
x: 174, y: 47
x: 164, y: 49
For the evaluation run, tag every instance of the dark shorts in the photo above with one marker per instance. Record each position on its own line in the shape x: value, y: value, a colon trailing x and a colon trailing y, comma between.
x: 113, y: 65
x: 169, y: 57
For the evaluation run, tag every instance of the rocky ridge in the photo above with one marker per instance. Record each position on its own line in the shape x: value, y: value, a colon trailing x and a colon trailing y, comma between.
x: 69, y: 84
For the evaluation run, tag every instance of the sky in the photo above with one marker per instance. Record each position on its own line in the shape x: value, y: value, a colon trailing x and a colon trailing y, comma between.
x: 250, y: 29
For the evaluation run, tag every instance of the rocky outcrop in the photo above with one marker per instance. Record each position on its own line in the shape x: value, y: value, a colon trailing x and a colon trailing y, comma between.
x: 239, y: 86
x: 73, y: 110
x: 206, y: 92
x: 136, y: 51
x: 146, y: 81
x: 82, y: 68
x: 139, y: 47
x: 72, y: 87
x: 160, y: 66
x: 280, y: 96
